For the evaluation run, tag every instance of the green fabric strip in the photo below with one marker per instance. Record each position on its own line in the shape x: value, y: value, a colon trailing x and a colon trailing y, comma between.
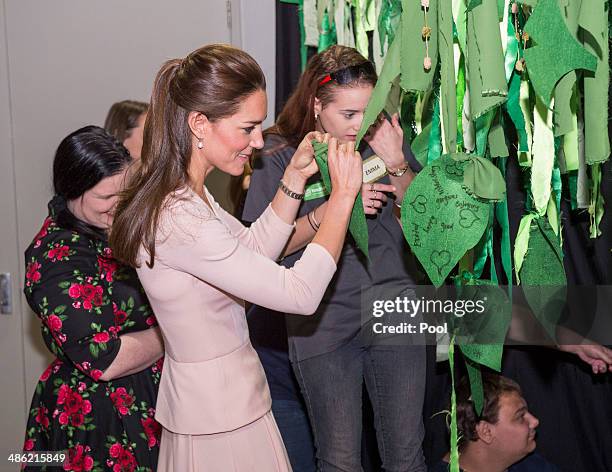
x: 357, y: 226
x: 521, y: 243
x: 501, y: 215
x: 513, y: 107
x: 593, y: 16
x: 454, y: 436
x: 482, y: 178
x: 563, y: 91
x: 543, y: 156
x: 361, y: 35
x: 526, y: 108
x: 476, y: 389
x: 553, y: 52
x: 596, y: 208
x: 389, y: 73
x: 512, y: 51
x: 460, y: 96
x: 448, y: 89
x: 413, y: 74
x: 327, y: 37
x: 570, y: 138
x: 435, y: 138
x: 485, y: 59
x: 388, y: 21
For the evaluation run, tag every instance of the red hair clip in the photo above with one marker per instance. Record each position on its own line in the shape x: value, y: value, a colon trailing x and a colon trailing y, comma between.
x: 325, y: 79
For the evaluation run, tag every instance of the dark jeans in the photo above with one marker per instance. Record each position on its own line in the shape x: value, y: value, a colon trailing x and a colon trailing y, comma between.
x: 292, y: 422
x: 332, y: 387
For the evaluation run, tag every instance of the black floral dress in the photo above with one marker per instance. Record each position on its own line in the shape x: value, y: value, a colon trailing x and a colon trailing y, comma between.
x: 85, y: 301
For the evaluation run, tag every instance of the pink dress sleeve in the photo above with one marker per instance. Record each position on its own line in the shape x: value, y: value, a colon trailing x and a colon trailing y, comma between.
x: 268, y: 235
x: 237, y: 261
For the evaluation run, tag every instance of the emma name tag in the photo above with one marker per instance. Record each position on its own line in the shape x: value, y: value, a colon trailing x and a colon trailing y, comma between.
x: 373, y: 169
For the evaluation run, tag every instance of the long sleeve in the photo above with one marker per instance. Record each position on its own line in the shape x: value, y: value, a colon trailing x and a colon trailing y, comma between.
x: 68, y: 292
x: 268, y: 235
x: 212, y: 253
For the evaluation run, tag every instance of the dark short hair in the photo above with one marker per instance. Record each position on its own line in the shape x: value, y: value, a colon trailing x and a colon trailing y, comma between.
x: 82, y: 160
x: 494, y: 386
x: 122, y: 118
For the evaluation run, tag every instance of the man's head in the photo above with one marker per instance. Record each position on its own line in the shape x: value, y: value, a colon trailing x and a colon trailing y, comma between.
x: 505, y: 429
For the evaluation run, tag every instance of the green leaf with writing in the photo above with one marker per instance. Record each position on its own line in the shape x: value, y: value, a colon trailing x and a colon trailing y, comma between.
x: 441, y: 221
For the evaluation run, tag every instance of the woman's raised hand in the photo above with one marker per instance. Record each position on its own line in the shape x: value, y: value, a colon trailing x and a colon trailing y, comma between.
x: 345, y: 167
x: 303, y: 160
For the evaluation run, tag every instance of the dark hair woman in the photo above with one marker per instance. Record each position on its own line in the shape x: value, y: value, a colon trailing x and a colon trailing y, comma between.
x: 125, y: 121
x: 97, y: 399
x: 198, y: 264
x: 328, y: 355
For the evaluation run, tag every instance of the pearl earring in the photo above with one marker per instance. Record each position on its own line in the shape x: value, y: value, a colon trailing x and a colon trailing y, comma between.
x: 200, y: 144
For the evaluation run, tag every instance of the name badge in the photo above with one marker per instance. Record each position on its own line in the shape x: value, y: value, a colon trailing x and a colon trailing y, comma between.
x: 373, y: 169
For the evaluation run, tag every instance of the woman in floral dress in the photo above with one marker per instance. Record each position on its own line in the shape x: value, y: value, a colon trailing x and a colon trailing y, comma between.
x: 97, y: 398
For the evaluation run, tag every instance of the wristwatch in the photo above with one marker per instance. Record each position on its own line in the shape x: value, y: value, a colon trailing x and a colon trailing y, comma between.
x: 399, y: 172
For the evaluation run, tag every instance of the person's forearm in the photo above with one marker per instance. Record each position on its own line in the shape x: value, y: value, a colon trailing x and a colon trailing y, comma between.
x: 332, y: 232
x: 137, y: 352
x: 304, y: 230
x: 401, y: 184
x: 283, y: 205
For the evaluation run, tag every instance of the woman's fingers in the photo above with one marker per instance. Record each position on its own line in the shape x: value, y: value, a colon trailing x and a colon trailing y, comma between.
x: 374, y: 196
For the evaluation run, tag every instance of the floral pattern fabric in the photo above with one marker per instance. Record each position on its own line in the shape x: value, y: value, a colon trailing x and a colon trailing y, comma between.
x: 85, y: 300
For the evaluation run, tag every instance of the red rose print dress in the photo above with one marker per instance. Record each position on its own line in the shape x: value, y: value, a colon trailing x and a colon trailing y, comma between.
x: 85, y: 300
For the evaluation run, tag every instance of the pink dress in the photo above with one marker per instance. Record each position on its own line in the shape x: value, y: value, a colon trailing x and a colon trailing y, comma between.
x: 213, y: 401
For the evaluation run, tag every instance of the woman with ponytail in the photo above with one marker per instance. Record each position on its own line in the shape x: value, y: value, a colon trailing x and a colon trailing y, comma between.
x: 198, y: 264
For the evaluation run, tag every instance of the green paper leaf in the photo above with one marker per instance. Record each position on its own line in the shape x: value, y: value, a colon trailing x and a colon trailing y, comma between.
x: 441, y: 221
x: 357, y: 226
x: 554, y: 51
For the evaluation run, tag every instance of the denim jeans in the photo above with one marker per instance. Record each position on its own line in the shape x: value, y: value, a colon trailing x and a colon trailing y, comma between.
x: 292, y: 421
x: 332, y: 388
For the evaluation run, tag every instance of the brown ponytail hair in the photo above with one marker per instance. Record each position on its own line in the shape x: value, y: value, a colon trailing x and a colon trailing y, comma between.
x: 212, y: 80
x: 297, y: 117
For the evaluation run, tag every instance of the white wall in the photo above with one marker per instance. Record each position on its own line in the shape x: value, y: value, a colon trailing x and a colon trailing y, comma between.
x: 62, y: 63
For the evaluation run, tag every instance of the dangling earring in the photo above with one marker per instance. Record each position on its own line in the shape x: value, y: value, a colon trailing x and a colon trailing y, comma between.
x: 200, y: 143
x: 316, y: 116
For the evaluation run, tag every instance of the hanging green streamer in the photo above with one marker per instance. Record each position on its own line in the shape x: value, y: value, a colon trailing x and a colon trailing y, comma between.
x: 327, y: 37
x: 413, y: 74
x: 554, y: 52
x: 513, y: 108
x: 388, y: 21
x: 596, y: 206
x: 501, y: 215
x: 435, y: 134
x: 454, y: 436
x: 378, y: 99
x: 485, y: 60
x: 357, y: 226
x: 448, y: 90
x: 593, y: 20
